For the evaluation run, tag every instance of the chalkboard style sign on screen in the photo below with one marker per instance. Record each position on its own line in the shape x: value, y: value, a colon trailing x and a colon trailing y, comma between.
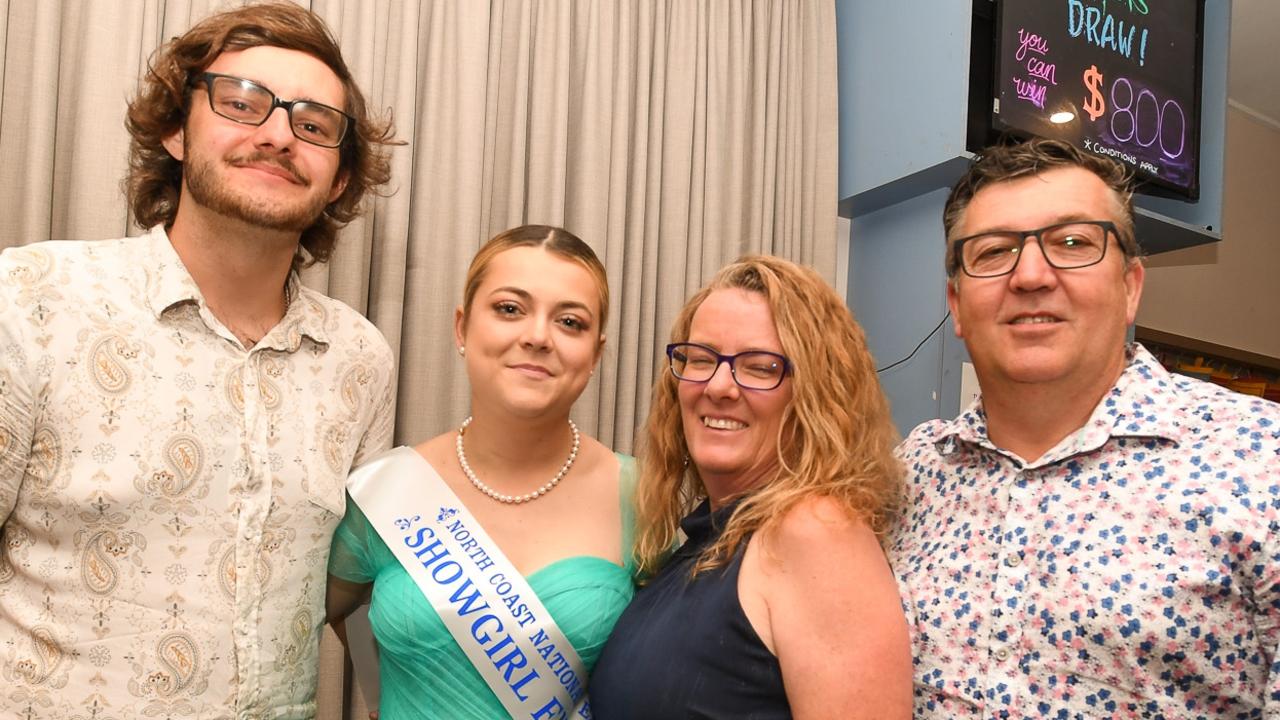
x: 1119, y: 78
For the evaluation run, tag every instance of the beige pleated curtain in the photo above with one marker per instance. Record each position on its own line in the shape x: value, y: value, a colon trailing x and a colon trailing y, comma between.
x: 672, y: 136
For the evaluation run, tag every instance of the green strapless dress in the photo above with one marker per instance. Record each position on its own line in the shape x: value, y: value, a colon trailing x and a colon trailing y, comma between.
x: 422, y: 671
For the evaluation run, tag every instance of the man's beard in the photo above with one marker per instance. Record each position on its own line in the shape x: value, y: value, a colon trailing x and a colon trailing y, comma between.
x: 213, y: 191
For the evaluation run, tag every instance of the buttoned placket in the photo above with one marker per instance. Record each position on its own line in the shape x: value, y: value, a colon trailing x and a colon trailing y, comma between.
x: 253, y: 504
x: 1008, y: 586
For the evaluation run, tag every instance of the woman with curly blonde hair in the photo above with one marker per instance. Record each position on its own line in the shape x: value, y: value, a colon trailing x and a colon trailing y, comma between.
x: 771, y: 438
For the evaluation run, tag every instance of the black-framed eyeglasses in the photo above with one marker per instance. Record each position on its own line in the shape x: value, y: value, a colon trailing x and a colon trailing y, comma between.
x: 1065, y: 246
x: 247, y: 102
x: 754, y: 370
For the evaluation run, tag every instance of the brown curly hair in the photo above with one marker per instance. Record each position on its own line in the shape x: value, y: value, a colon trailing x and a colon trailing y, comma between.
x: 836, y: 439
x: 154, y: 182
x: 1011, y: 159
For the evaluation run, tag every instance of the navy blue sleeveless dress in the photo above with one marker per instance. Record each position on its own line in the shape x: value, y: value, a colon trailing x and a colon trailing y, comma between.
x: 684, y: 648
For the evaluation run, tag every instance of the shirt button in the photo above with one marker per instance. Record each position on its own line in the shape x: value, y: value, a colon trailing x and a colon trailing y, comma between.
x: 1013, y: 560
x: 1002, y: 653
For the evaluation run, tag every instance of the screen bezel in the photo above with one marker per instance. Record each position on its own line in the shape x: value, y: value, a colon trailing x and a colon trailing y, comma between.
x: 987, y: 127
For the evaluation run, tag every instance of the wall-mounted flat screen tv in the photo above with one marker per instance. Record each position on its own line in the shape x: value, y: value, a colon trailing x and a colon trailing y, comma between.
x: 1119, y: 78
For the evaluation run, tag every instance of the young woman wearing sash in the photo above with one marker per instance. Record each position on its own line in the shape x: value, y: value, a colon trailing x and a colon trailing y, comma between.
x: 497, y: 555
x: 770, y: 435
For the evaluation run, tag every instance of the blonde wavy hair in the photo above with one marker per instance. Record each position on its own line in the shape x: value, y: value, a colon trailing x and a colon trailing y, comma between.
x: 836, y: 438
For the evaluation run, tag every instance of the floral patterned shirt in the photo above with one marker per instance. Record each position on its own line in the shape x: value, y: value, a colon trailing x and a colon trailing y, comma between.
x: 1133, y: 571
x: 168, y: 497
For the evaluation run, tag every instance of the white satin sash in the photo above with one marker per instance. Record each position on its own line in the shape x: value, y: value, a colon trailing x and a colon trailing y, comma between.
x: 488, y: 607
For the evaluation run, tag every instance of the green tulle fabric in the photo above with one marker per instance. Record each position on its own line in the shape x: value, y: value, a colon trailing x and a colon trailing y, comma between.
x: 422, y: 671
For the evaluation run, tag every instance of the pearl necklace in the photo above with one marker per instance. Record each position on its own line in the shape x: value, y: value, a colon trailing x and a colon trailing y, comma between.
x: 514, y: 499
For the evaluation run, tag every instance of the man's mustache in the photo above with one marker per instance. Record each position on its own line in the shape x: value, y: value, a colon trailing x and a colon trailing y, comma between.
x: 261, y: 158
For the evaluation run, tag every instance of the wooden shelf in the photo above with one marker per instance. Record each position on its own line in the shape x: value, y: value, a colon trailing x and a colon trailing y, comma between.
x: 1192, y: 345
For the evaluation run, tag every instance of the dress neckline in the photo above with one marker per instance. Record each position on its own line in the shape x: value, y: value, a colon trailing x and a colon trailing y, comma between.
x: 703, y: 525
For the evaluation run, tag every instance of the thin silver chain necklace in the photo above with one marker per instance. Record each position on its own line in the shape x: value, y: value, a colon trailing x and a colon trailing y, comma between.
x: 514, y: 499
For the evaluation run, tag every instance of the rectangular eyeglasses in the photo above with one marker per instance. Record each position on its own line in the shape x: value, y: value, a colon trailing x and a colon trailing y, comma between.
x: 754, y: 370
x: 1065, y: 246
x: 248, y: 103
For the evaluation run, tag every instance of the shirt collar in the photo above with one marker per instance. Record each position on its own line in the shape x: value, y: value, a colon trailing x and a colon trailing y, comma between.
x: 704, y: 523
x: 703, y: 526
x: 168, y: 282
x: 1142, y: 403
x: 169, y: 285
x: 306, y: 317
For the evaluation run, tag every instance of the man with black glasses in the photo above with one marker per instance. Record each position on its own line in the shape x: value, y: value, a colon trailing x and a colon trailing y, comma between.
x: 1092, y: 537
x: 178, y: 413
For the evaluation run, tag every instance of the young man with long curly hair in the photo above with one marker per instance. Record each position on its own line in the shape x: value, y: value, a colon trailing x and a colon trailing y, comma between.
x: 177, y: 412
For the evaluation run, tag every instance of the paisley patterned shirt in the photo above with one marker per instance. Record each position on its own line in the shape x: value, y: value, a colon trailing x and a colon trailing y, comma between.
x: 1133, y: 571
x: 168, y: 497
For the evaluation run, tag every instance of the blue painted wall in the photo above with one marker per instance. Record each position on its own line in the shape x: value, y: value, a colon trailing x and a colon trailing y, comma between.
x: 897, y: 289
x: 903, y: 81
x: 904, y: 84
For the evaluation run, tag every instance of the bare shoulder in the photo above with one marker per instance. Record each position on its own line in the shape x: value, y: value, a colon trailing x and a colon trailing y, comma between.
x: 821, y: 565
x: 815, y: 523
x: 595, y: 458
